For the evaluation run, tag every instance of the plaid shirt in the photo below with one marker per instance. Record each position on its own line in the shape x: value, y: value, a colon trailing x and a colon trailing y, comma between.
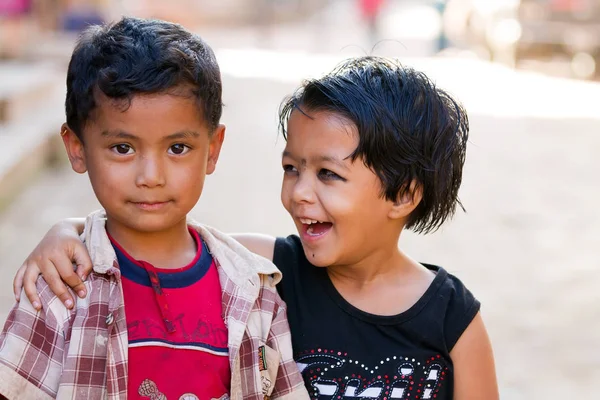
x: 82, y: 353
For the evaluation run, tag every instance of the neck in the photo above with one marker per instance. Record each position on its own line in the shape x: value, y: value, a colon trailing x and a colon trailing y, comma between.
x: 382, y: 261
x: 170, y: 248
x: 374, y: 267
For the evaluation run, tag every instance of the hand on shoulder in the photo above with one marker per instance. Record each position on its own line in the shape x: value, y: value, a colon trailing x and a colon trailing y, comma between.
x: 54, y: 258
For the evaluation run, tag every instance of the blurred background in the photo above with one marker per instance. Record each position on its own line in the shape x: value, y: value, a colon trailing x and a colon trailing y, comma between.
x: 527, y: 72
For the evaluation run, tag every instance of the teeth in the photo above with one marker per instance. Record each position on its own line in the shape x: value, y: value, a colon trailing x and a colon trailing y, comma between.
x: 309, y: 221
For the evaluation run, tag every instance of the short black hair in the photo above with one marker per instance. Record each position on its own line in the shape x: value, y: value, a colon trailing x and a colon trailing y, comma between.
x: 408, y: 130
x: 140, y: 56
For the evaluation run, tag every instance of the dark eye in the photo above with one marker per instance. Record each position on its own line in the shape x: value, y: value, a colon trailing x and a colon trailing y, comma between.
x: 329, y: 175
x: 289, y: 168
x: 122, y: 149
x: 178, y: 148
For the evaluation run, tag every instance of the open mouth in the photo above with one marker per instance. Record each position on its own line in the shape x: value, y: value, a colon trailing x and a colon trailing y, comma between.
x: 313, y: 228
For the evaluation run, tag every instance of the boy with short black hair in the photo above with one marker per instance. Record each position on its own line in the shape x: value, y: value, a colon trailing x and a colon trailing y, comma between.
x: 174, y: 310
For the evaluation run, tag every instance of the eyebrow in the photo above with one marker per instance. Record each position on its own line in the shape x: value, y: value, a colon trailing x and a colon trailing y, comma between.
x: 126, y: 135
x: 334, y: 160
x: 330, y: 159
x: 183, y: 135
x: 118, y: 135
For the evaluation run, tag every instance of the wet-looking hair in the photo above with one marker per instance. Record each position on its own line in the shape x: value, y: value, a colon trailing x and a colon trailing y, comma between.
x: 408, y: 130
x: 139, y: 56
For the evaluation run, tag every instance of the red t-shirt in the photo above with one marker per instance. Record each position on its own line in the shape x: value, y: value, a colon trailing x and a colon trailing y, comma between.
x: 177, y: 336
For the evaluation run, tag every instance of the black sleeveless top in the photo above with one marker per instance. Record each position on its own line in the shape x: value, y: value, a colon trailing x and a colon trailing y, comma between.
x: 344, y: 352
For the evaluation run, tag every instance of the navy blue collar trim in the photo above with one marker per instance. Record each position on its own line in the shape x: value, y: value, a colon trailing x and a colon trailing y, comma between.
x: 168, y: 280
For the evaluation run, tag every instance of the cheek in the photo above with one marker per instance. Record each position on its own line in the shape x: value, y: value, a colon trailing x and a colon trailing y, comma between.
x: 286, y: 193
x: 188, y: 179
x: 340, y: 201
x: 110, y: 185
x: 109, y: 177
x: 352, y: 206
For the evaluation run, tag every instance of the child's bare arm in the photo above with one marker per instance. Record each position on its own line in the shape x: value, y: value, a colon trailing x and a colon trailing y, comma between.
x: 474, y: 371
x: 263, y: 245
x: 54, y: 257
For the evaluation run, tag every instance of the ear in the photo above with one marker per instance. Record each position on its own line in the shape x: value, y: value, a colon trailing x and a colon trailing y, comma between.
x: 74, y: 148
x: 214, y: 148
x: 406, y: 204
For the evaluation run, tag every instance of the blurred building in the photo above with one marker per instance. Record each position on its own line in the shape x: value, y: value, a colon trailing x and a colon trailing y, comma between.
x: 22, y: 22
x: 512, y: 31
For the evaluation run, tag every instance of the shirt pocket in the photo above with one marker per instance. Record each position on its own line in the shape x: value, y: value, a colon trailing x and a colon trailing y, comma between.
x: 268, y: 365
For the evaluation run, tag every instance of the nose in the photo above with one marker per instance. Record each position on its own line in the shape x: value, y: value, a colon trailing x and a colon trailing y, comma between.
x: 303, y: 190
x: 150, y: 172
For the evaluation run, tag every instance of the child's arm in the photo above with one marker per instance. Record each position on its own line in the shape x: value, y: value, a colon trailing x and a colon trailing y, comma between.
x: 32, y: 348
x: 474, y: 371
x: 263, y: 245
x: 53, y: 258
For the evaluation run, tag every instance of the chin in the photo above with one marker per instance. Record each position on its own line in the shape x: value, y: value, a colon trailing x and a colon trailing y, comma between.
x: 317, y: 259
x: 150, y: 224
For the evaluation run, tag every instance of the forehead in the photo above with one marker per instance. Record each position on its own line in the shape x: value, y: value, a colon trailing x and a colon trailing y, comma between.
x: 321, y: 130
x: 161, y: 112
x: 163, y: 103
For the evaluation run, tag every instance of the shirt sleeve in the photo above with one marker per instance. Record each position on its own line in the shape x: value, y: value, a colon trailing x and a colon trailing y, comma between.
x: 462, y: 308
x: 31, y: 353
x: 289, y: 383
x: 286, y: 255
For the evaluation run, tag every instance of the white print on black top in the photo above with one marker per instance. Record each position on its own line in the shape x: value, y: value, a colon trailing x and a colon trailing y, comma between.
x: 330, y: 374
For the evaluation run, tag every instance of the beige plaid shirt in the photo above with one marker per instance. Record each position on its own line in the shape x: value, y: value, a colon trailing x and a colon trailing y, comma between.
x: 82, y: 353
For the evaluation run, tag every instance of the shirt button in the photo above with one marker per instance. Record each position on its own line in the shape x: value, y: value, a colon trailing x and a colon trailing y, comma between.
x: 110, y: 319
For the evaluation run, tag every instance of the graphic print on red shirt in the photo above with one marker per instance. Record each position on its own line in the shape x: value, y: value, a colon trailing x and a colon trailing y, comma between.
x: 177, y: 336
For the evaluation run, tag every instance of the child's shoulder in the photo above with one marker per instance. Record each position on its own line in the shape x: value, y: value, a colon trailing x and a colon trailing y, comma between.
x: 450, y: 301
x: 288, y: 246
x: 94, y: 283
x: 289, y: 257
x: 53, y: 314
x: 449, y: 288
x: 51, y: 303
x: 233, y: 258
